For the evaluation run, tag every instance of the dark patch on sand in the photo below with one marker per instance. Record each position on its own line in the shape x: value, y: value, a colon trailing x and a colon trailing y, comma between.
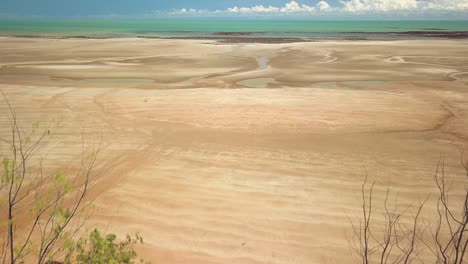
x: 418, y: 34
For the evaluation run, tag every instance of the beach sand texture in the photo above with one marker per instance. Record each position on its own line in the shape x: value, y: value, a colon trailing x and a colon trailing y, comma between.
x: 244, y: 153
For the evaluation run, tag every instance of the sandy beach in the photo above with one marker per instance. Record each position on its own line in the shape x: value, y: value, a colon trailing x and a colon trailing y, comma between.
x: 244, y: 153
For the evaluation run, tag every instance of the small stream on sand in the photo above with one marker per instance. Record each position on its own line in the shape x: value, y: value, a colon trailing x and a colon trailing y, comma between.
x: 257, y: 82
x: 263, y: 64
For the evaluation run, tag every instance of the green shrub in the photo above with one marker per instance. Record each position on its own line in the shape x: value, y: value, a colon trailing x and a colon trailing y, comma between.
x: 104, y: 249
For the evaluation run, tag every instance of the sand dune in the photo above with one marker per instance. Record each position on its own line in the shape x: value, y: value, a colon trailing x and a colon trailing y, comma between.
x: 210, y: 170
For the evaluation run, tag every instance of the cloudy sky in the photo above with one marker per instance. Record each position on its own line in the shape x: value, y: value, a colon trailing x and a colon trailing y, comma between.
x: 358, y: 9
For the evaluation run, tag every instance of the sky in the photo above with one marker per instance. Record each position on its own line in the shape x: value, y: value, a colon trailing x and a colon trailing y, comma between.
x: 332, y: 9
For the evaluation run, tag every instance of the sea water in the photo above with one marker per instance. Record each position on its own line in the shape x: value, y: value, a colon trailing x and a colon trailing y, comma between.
x: 222, y: 28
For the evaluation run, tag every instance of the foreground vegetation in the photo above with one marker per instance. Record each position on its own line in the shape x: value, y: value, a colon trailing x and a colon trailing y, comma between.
x: 404, y: 238
x: 43, y: 213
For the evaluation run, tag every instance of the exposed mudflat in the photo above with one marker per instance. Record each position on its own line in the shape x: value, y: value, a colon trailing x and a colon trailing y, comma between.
x: 244, y: 153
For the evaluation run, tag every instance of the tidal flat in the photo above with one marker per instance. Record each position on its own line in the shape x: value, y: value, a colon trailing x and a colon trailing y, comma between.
x: 245, y: 153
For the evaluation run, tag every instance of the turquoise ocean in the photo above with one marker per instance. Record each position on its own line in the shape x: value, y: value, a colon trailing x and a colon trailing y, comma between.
x: 106, y: 28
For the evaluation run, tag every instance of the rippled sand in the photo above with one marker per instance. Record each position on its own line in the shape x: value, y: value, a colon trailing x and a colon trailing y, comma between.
x: 244, y: 153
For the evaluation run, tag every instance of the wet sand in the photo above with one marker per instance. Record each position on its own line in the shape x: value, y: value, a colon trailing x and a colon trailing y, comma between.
x: 245, y: 153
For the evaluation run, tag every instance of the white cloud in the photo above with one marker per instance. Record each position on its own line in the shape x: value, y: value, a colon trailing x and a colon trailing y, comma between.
x: 322, y: 5
x: 291, y: 7
x: 190, y: 11
x: 443, y: 5
x: 344, y: 6
x: 378, y: 5
x: 254, y: 9
x: 404, y: 5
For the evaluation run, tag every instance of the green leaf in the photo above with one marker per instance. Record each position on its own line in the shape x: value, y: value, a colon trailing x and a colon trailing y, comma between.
x: 60, y: 177
x: 67, y: 187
